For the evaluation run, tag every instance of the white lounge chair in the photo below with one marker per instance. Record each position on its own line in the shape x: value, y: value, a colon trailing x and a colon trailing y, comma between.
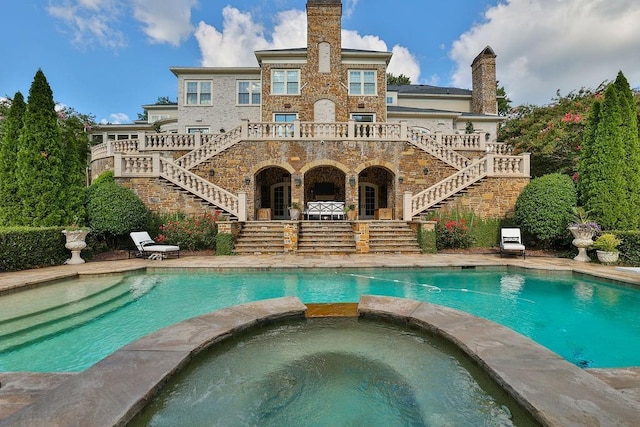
x: 146, y: 247
x: 511, y: 241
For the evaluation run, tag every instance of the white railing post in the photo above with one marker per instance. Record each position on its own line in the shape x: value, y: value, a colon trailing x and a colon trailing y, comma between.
x: 109, y: 148
x: 242, y: 206
x: 526, y: 167
x: 142, y: 141
x: 155, y: 168
x: 296, y: 129
x: 490, y: 162
x: 117, y: 165
x: 245, y: 129
x: 406, y: 206
x: 403, y: 129
x: 351, y: 129
x: 197, y: 139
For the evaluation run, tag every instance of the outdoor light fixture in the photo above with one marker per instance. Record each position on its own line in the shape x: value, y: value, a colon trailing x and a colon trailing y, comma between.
x: 297, y: 181
x: 247, y: 180
x: 400, y: 179
x: 212, y: 172
x: 425, y: 171
x: 352, y: 181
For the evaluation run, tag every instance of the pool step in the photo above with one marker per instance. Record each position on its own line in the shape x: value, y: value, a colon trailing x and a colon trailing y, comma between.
x: 20, y: 331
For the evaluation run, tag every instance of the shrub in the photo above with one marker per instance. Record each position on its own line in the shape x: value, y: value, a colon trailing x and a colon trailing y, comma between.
x: 607, y: 242
x: 630, y: 247
x: 224, y: 244
x: 115, y: 211
x: 453, y: 233
x: 22, y: 248
x: 427, y: 241
x: 190, y: 232
x: 544, y: 208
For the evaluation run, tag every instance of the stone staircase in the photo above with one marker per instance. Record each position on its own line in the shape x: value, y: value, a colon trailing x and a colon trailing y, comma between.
x: 325, y: 237
x: 392, y: 237
x: 260, y: 237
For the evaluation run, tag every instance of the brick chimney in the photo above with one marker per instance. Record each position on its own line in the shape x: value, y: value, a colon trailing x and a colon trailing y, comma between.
x: 483, y: 78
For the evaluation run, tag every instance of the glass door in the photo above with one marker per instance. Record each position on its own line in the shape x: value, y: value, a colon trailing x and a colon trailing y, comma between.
x: 367, y: 200
x: 281, y: 200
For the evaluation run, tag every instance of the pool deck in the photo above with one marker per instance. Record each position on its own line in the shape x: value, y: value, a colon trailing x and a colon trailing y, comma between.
x: 555, y: 391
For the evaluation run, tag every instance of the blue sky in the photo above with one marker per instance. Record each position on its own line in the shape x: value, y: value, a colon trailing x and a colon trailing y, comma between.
x: 109, y: 57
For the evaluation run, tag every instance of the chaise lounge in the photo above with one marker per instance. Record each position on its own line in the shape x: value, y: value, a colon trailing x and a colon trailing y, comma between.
x: 511, y: 241
x: 146, y: 247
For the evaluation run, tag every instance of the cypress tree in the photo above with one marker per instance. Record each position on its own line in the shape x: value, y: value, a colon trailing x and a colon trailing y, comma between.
x: 40, y: 162
x: 10, y: 208
x: 631, y: 142
x: 585, y: 165
x: 604, y: 185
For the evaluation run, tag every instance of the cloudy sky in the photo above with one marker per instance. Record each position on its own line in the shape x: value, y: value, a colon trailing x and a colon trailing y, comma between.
x: 109, y: 57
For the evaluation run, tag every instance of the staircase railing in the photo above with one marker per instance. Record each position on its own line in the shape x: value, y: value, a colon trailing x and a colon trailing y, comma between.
x: 428, y: 143
x: 216, y: 145
x: 153, y: 165
x: 493, y: 165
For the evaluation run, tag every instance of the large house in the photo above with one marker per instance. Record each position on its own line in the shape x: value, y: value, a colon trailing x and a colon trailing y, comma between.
x: 317, y: 125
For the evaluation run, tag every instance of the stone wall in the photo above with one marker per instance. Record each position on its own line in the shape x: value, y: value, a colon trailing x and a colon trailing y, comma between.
x: 491, y: 198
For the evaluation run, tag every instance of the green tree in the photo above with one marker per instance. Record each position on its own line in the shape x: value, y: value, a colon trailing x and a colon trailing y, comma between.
x: 602, y: 184
x: 41, y: 160
x: 10, y: 208
x: 631, y: 142
x: 397, y: 80
x: 504, y: 103
x: 551, y: 133
x: 162, y: 100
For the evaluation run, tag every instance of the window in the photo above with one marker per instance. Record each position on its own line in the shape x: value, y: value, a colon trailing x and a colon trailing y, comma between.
x: 156, y: 117
x: 362, y: 82
x: 285, y: 82
x: 285, y: 117
x: 249, y: 92
x: 363, y: 118
x: 284, y: 130
x: 389, y: 100
x: 195, y: 130
x: 198, y: 93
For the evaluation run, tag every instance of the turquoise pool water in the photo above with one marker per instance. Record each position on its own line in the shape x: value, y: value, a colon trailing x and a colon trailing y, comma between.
x: 589, y: 323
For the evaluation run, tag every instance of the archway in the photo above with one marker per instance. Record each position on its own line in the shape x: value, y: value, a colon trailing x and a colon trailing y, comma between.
x: 375, y: 191
x: 273, y: 192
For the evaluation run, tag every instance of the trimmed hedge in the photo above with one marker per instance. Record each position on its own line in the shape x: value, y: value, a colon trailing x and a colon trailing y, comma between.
x: 22, y: 248
x: 224, y: 244
x: 630, y: 247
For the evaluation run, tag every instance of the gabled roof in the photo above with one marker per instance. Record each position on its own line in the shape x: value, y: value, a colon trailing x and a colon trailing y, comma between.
x: 427, y: 90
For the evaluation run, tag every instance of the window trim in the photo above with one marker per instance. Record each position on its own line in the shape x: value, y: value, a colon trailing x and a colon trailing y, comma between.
x: 251, y: 93
x: 198, y: 93
x: 372, y: 115
x: 195, y: 129
x: 285, y: 83
x: 362, y: 83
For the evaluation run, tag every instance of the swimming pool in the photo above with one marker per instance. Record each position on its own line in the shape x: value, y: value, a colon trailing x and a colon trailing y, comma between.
x: 588, y: 322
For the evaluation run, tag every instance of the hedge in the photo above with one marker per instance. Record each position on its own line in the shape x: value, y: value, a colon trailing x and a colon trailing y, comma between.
x: 22, y: 248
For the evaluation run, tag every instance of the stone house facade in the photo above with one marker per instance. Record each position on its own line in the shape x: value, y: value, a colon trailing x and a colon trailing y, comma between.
x: 317, y: 124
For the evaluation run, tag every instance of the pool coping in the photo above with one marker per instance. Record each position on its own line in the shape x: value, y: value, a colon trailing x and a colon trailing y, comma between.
x: 554, y: 391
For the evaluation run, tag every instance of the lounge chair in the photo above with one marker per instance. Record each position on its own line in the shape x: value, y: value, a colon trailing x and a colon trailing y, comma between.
x: 511, y: 241
x: 146, y: 247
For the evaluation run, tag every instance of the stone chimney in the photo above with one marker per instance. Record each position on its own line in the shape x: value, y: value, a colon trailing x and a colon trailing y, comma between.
x: 483, y: 78
x: 324, y: 27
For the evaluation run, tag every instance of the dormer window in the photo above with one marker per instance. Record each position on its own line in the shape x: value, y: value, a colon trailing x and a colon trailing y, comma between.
x: 362, y: 82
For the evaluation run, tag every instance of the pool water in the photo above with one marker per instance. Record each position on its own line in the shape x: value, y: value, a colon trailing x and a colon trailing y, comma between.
x: 331, y: 372
x: 589, y: 323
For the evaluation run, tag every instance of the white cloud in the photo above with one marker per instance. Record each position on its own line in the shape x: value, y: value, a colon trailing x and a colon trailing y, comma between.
x: 165, y: 22
x: 350, y: 7
x: 546, y: 45
x: 90, y: 21
x: 240, y: 36
x: 116, y: 119
x: 100, y: 21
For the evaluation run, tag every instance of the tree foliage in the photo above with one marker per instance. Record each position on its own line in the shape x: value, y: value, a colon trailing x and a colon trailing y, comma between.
x: 10, y: 207
x: 552, y: 133
x: 609, y: 168
x: 398, y: 80
x: 544, y: 208
x: 504, y: 103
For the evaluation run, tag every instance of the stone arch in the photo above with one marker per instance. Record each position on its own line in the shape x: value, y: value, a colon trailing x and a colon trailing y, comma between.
x: 325, y: 162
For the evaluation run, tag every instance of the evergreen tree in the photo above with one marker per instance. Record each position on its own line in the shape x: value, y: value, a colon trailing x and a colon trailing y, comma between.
x: 629, y: 135
x: 603, y: 184
x: 10, y: 208
x: 40, y: 162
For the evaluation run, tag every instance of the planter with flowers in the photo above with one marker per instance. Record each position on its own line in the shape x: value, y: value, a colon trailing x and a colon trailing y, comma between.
x: 606, y: 246
x: 295, y: 211
x: 350, y: 210
x: 583, y: 231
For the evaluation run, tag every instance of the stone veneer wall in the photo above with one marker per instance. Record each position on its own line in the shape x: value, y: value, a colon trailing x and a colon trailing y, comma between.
x: 483, y: 80
x: 493, y: 198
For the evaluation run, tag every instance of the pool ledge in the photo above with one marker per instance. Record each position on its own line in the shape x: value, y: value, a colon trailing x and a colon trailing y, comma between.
x: 554, y: 391
x: 111, y: 392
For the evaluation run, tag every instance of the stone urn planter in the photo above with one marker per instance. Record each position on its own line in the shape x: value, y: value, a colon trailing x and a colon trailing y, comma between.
x: 295, y: 212
x: 350, y: 211
x: 582, y: 239
x: 606, y: 257
x: 75, y: 243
